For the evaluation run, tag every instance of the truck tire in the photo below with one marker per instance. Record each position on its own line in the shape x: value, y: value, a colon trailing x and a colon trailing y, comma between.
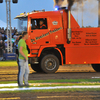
x: 96, y: 67
x: 36, y: 67
x: 49, y: 63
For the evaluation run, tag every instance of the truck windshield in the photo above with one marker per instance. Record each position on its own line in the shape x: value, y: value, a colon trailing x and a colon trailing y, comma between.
x: 22, y: 25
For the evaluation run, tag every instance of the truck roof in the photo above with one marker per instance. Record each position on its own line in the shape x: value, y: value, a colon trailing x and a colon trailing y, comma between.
x: 37, y: 13
x: 22, y: 15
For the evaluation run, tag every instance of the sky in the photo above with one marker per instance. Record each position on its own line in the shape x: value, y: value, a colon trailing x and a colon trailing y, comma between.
x: 2, y: 24
x: 24, y: 6
x: 90, y: 14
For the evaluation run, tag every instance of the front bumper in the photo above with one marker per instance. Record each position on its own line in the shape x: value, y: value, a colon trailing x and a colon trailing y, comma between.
x: 33, y: 60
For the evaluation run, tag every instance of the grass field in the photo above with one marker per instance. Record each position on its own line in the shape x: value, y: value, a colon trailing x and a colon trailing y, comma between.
x: 84, y: 81
x: 52, y: 91
x: 8, y: 63
x: 58, y: 82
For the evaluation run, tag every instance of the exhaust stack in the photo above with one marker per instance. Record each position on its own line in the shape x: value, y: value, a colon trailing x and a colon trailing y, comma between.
x: 62, y: 4
x: 69, y: 24
x: 70, y: 3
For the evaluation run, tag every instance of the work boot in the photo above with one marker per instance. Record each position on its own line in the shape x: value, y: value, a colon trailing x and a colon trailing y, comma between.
x: 27, y: 85
x: 21, y: 85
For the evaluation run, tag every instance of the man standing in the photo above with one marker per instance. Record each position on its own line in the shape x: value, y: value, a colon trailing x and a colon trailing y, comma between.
x: 17, y: 53
x: 23, y: 60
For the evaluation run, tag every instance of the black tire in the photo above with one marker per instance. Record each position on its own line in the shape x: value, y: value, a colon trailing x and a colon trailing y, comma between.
x: 36, y: 67
x: 96, y: 67
x: 49, y: 63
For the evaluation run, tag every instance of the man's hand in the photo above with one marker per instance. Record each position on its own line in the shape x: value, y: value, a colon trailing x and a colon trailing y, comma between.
x: 26, y: 59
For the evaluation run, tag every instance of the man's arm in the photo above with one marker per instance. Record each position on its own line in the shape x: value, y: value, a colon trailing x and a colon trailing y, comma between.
x: 43, y: 27
x: 21, y: 52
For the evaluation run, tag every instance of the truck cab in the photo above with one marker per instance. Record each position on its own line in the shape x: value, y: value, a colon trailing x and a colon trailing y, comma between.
x: 61, y: 42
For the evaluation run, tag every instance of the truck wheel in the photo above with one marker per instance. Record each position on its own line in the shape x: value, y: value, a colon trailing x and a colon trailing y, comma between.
x: 36, y: 67
x: 49, y: 63
x: 96, y: 67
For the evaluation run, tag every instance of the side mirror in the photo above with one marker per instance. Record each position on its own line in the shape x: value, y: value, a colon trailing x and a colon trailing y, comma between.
x: 15, y: 1
x: 1, y: 1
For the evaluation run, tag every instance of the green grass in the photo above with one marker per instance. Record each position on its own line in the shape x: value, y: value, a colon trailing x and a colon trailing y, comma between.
x: 8, y: 63
x: 65, y: 80
x: 53, y: 91
x: 57, y: 81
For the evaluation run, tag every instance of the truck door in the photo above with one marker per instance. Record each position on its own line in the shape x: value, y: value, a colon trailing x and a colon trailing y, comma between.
x: 56, y: 33
x: 39, y: 35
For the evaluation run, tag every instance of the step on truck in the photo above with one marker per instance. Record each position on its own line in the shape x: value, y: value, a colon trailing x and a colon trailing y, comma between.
x: 62, y: 41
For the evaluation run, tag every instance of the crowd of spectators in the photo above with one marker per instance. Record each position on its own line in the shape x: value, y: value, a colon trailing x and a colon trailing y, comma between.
x: 3, y: 41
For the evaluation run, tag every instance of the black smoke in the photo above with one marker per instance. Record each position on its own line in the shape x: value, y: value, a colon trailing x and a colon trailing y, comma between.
x: 56, y: 1
x: 70, y: 3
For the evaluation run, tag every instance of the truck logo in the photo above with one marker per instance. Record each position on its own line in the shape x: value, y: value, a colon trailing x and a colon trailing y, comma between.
x: 55, y: 23
x: 46, y: 34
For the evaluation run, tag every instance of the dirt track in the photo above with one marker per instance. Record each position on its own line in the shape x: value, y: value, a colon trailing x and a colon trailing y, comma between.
x: 52, y: 96
x: 64, y: 72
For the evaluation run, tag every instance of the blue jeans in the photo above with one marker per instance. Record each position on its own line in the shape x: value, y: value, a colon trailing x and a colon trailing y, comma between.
x: 24, y: 71
x: 18, y: 71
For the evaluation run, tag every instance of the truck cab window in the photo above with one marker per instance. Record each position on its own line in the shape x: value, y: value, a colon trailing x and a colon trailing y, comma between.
x: 22, y: 25
x: 39, y: 24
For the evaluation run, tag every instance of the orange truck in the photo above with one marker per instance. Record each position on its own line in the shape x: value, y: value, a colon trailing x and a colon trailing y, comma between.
x: 61, y: 42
